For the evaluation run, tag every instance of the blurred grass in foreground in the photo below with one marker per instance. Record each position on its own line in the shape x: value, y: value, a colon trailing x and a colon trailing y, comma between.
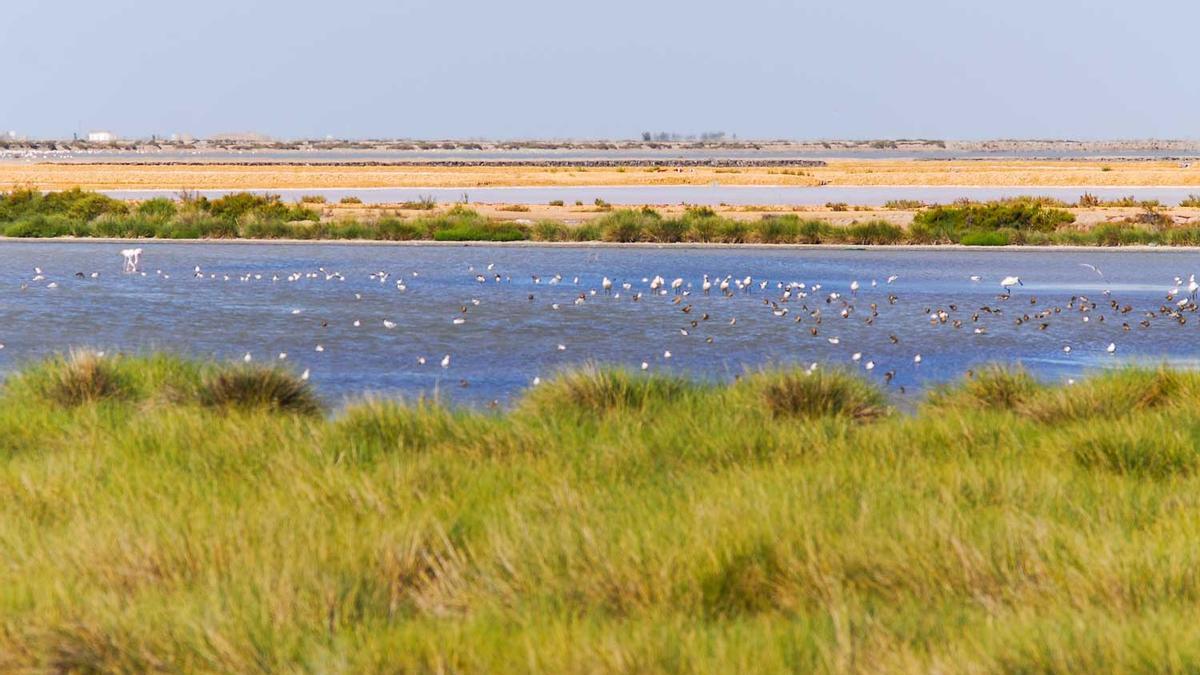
x: 161, y: 514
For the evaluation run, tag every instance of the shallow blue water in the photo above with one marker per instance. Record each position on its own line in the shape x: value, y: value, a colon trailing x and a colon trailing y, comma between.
x: 319, y: 156
x: 703, y: 194
x: 507, y: 339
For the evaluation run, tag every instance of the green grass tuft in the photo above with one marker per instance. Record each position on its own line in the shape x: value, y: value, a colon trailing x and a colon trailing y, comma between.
x: 818, y: 393
x: 250, y: 387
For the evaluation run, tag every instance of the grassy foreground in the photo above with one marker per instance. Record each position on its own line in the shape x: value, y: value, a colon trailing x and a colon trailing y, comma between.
x: 166, y: 515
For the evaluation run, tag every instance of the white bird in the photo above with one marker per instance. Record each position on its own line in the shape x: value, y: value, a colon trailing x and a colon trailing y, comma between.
x: 304, y: 375
x: 606, y: 284
x: 917, y: 358
x: 247, y: 357
x: 1112, y: 347
x: 856, y: 357
x: 320, y: 348
x: 1010, y: 281
x: 645, y: 366
x: 282, y: 356
x: 446, y: 361
x: 870, y: 365
x: 892, y: 278
x: 562, y: 348
x: 667, y: 354
x: 975, y: 277
x: 1067, y: 349
x: 420, y: 360
x: 386, y: 324
x: 854, y: 286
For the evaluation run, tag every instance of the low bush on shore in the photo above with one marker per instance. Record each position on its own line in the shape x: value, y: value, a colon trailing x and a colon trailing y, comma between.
x: 948, y: 224
x: 167, y: 515
x: 1024, y: 221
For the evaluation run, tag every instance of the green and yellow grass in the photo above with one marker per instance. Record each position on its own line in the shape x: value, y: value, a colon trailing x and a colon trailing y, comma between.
x: 165, y: 515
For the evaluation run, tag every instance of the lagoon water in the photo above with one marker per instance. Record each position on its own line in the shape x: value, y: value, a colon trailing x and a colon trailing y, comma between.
x: 572, y: 154
x: 711, y: 195
x: 509, y: 338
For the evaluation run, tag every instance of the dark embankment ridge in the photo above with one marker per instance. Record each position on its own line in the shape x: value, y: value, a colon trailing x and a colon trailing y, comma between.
x: 161, y: 514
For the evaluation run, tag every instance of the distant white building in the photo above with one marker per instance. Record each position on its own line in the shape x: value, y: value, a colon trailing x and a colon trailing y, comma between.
x: 101, y: 137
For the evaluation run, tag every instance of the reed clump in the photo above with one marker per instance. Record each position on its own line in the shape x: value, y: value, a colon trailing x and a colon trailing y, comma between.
x: 257, y: 388
x: 816, y: 393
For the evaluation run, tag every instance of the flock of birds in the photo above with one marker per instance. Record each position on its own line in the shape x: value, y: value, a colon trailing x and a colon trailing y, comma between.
x: 839, y: 315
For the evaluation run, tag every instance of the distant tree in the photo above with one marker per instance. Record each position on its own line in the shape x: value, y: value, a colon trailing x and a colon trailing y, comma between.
x: 647, y: 136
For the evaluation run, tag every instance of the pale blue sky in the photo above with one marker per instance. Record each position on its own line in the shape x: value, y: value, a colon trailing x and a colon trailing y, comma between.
x: 956, y: 69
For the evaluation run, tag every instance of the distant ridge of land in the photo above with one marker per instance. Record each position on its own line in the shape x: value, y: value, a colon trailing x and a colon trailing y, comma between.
x: 551, y: 163
x: 1114, y: 146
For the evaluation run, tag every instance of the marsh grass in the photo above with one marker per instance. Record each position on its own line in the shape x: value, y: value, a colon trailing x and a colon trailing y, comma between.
x: 610, y: 521
x: 82, y: 377
x: 592, y: 390
x: 813, y: 394
x: 252, y: 387
x: 993, y: 387
x: 1026, y: 220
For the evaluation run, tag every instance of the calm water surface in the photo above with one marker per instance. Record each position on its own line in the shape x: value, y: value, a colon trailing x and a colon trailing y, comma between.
x: 703, y: 194
x: 512, y: 331
x: 528, y: 154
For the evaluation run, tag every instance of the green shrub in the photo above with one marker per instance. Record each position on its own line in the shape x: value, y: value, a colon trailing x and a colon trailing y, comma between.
x: 873, y: 233
x: 422, y: 203
x: 549, y: 230
x: 949, y: 223
x: 396, y: 229
x: 628, y: 225
x: 586, y: 232
x: 666, y: 230
x: 777, y: 229
x: 984, y: 238
x: 159, y: 208
x: 904, y: 204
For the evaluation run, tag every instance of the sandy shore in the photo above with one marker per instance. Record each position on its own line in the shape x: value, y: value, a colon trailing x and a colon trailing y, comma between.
x: 967, y: 173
